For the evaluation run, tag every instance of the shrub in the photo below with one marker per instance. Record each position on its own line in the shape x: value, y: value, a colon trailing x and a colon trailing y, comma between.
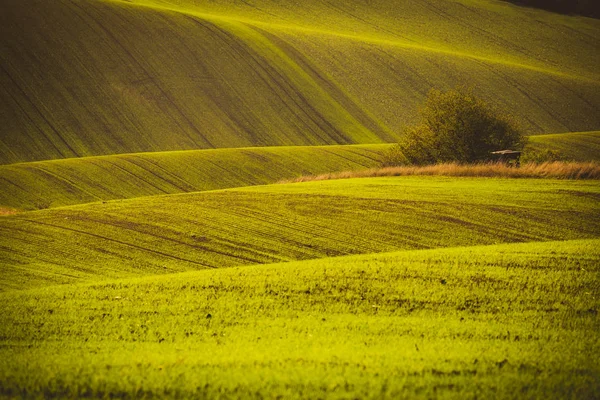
x: 457, y: 127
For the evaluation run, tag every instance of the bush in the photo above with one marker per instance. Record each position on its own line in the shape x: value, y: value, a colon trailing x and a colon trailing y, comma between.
x: 458, y: 127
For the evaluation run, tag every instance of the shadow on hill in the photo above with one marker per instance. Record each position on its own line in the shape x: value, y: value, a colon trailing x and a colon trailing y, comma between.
x: 587, y: 8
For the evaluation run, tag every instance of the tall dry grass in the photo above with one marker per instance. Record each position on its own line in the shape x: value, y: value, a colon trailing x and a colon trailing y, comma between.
x: 556, y: 170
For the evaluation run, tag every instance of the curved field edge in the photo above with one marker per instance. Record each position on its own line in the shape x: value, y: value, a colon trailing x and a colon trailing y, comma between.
x: 39, y: 185
x: 486, y: 321
x: 125, y: 75
x: 275, y: 223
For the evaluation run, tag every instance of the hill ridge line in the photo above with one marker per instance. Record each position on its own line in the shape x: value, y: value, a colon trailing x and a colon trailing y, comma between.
x: 217, y: 149
x: 286, y: 264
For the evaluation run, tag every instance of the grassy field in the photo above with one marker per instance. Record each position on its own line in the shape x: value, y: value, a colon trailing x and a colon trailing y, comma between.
x: 507, y: 321
x: 94, y: 77
x: 577, y: 146
x: 273, y: 223
x: 38, y: 185
x: 149, y: 247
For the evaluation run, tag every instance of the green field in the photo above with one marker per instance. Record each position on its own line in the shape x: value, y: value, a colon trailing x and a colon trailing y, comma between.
x: 38, y: 185
x: 518, y: 320
x: 576, y: 146
x: 266, y: 224
x: 150, y: 246
x: 95, y: 77
x: 57, y: 183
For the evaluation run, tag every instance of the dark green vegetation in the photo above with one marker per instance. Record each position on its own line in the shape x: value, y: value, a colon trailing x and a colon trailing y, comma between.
x: 456, y: 126
x: 96, y: 77
x: 508, y: 321
x: 266, y: 224
x: 39, y: 185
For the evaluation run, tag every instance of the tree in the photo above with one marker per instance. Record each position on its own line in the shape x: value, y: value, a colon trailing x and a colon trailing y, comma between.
x: 458, y: 127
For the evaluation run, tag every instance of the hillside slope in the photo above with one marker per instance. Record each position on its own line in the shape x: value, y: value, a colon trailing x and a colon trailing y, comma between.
x: 57, y: 183
x: 453, y: 323
x: 576, y: 146
x: 89, y: 77
x: 273, y: 223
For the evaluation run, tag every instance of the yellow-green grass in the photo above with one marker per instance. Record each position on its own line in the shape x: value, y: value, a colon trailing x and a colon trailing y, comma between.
x: 576, y: 146
x: 58, y: 183
x: 503, y: 322
x: 274, y: 223
x: 477, y: 28
x: 84, y: 78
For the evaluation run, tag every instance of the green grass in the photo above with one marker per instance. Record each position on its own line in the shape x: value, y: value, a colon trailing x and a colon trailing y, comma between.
x: 506, y: 321
x: 576, y: 146
x: 266, y: 224
x: 38, y: 185
x: 163, y: 262
x: 501, y: 32
x: 85, y: 78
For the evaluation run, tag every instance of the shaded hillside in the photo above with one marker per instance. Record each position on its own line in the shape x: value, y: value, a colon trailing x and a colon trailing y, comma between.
x: 83, y: 78
x: 82, y: 180
x: 588, y: 8
x: 576, y: 146
x: 273, y: 223
x: 90, y: 78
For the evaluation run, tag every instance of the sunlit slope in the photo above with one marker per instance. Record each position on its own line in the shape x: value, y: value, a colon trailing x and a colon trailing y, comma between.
x: 481, y: 28
x: 58, y: 183
x: 89, y: 78
x: 266, y: 224
x: 508, y: 315
x: 83, y: 78
x: 391, y: 82
x: 389, y: 54
x: 577, y: 146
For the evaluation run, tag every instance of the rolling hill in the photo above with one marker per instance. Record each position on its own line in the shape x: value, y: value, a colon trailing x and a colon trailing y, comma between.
x: 274, y: 223
x: 35, y: 185
x: 576, y: 146
x: 93, y: 77
x: 504, y: 319
x: 57, y: 183
x: 145, y: 251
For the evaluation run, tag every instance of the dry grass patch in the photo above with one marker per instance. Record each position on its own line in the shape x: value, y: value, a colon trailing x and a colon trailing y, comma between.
x: 8, y: 211
x: 556, y: 170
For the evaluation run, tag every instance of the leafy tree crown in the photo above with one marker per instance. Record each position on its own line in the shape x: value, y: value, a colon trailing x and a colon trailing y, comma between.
x: 456, y: 126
